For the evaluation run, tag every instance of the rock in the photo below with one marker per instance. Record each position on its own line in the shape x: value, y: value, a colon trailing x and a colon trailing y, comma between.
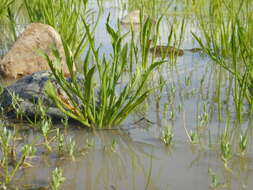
x: 169, y: 50
x: 194, y: 50
x: 132, y: 18
x: 30, y: 89
x: 24, y: 59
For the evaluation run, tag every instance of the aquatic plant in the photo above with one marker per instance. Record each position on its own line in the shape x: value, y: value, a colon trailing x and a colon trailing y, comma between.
x: 60, y: 141
x: 96, y: 100
x: 71, y: 148
x: 193, y: 137
x: 226, y: 148
x: 46, y: 125
x: 15, y: 104
x: 243, y: 144
x: 204, y: 117
x: 65, y: 122
x: 57, y: 179
x: 10, y: 164
x: 167, y: 136
x: 227, y: 39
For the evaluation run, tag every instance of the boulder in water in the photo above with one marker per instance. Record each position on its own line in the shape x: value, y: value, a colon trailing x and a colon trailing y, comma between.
x: 29, y: 90
x: 24, y: 59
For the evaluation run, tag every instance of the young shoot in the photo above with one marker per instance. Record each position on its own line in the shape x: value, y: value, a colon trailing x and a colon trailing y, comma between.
x: 65, y: 122
x: 243, y: 142
x: 57, y: 179
x: 16, y: 101
x: 226, y: 149
x: 9, y: 163
x: 193, y: 136
x: 167, y: 136
x: 204, y: 117
x: 46, y: 125
x: 60, y: 141
x: 71, y: 148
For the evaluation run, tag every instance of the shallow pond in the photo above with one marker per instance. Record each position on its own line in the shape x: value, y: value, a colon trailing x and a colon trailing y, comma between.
x: 135, y: 156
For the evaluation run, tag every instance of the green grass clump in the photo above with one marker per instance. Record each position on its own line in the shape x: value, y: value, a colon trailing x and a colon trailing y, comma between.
x: 98, y: 101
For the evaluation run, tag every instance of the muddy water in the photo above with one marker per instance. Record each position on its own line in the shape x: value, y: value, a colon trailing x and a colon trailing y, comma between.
x: 135, y: 157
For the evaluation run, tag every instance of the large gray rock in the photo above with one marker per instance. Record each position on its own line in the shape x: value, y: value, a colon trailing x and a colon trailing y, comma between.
x: 24, y: 59
x: 29, y: 90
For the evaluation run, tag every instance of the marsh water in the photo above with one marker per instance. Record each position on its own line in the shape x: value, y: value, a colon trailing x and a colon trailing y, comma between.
x: 134, y: 157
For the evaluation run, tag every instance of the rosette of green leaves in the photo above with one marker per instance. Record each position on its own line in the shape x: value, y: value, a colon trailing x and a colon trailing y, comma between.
x: 112, y: 104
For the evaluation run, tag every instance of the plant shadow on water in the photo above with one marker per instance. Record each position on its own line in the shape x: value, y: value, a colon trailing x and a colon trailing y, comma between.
x: 208, y: 147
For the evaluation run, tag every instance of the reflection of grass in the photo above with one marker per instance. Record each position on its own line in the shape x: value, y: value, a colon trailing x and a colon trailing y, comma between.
x: 108, y: 109
x: 121, y: 168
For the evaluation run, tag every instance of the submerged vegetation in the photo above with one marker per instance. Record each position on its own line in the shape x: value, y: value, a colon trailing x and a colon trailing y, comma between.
x: 123, y: 88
